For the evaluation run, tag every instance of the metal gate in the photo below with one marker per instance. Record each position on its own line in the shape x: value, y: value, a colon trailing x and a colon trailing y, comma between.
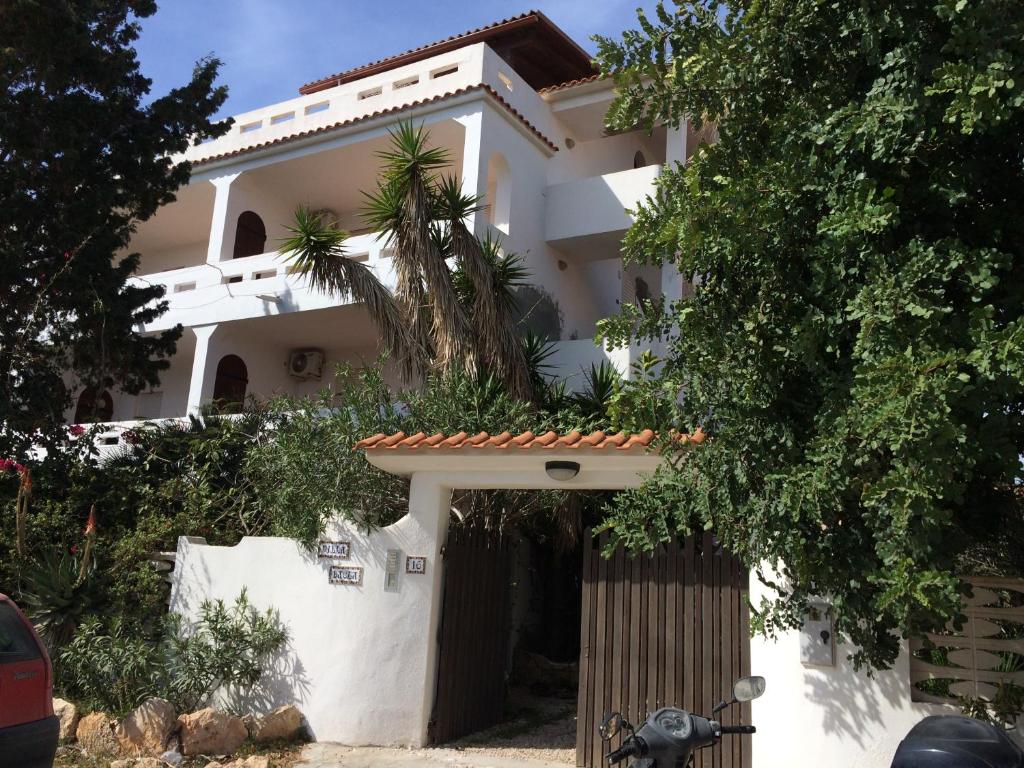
x: 667, y: 629
x: 473, y: 634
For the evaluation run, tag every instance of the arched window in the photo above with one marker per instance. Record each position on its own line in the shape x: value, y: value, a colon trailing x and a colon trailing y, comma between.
x: 250, y: 236
x: 499, y: 192
x: 639, y: 161
x: 91, y: 408
x: 229, y: 386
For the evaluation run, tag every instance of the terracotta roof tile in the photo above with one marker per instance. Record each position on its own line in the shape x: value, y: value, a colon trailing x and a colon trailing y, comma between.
x: 381, y: 113
x: 330, y: 79
x: 572, y: 83
x: 598, y: 441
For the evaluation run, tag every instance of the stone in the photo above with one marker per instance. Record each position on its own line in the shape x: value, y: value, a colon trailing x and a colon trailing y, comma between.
x: 214, y: 764
x: 210, y: 732
x: 138, y: 762
x: 95, y: 734
x: 67, y: 713
x: 283, y: 723
x: 253, y: 761
x: 172, y: 757
x: 146, y: 730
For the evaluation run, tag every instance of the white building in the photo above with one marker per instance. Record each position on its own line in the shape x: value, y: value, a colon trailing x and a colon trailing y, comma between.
x: 519, y: 109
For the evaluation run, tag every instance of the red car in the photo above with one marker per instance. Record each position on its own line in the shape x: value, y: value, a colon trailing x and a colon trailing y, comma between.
x: 28, y: 727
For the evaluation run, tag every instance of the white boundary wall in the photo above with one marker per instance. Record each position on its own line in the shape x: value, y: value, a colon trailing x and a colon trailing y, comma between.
x: 360, y: 661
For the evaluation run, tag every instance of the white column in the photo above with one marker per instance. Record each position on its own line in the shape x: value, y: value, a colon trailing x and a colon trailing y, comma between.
x: 430, y: 505
x: 200, y: 389
x: 219, y: 225
x: 474, y: 169
x: 675, y: 148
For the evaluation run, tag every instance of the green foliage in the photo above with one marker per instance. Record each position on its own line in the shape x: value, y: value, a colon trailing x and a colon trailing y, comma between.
x: 116, y: 670
x: 58, y: 590
x: 86, y: 151
x: 853, y: 342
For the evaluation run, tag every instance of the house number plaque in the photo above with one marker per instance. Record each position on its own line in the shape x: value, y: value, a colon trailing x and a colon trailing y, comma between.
x: 335, y: 550
x: 416, y: 565
x: 345, y: 574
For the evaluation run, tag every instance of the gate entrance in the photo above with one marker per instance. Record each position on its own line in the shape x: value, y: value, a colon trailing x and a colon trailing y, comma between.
x: 666, y: 629
x: 470, y: 692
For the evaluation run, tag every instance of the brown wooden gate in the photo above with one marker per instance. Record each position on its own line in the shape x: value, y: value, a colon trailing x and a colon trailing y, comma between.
x: 473, y: 635
x: 668, y: 629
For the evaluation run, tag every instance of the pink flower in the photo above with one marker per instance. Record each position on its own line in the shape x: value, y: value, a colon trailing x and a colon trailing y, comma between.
x: 130, y: 436
x: 74, y: 549
x: 90, y: 524
x: 76, y: 430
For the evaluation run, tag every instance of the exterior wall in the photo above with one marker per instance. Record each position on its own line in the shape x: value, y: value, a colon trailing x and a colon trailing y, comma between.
x: 828, y: 716
x: 360, y: 661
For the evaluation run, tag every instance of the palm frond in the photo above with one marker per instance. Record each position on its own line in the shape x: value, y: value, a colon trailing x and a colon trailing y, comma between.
x: 409, y: 158
x: 316, y: 249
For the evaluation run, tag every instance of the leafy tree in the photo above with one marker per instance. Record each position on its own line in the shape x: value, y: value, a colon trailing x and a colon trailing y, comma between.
x: 83, y: 159
x: 853, y: 343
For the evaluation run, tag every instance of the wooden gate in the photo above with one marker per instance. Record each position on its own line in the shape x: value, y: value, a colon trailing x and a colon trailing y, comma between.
x: 473, y: 635
x: 668, y: 629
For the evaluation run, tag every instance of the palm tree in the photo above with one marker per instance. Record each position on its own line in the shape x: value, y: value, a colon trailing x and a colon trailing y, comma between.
x: 425, y: 325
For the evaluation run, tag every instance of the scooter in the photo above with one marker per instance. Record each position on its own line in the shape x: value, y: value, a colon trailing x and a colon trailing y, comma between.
x: 670, y: 736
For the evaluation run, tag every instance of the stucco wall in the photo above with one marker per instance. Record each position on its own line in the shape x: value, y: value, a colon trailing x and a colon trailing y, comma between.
x: 360, y: 661
x: 828, y: 716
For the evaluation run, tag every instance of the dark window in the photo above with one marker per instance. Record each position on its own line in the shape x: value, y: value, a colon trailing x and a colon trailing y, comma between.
x: 639, y: 161
x: 90, y: 408
x: 643, y: 291
x: 16, y: 642
x: 250, y: 236
x: 229, y: 386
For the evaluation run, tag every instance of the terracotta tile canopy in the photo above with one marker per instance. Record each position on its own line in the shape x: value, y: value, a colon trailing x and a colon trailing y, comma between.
x: 598, y: 441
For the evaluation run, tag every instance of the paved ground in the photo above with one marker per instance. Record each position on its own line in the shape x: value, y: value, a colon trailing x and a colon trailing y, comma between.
x: 539, y: 733
x: 337, y: 756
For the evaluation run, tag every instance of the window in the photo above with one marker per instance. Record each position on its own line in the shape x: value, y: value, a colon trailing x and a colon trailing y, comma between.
x: 91, y: 408
x: 250, y: 236
x: 405, y: 83
x: 16, y: 642
x: 642, y: 291
x: 282, y: 118
x: 320, y: 106
x: 639, y: 161
x: 499, y: 192
x: 443, y: 71
x: 369, y: 94
x: 231, y: 382
x: 250, y: 127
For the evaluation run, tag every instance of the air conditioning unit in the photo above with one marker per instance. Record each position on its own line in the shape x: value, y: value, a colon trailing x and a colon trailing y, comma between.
x: 306, y: 363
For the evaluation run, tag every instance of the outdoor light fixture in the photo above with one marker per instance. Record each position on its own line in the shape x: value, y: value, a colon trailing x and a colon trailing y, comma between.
x: 562, y: 470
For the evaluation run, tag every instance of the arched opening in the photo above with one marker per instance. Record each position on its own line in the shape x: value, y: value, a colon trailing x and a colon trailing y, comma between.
x: 250, y: 236
x: 642, y: 291
x: 230, y: 383
x: 91, y: 408
x: 499, y: 192
x: 639, y: 161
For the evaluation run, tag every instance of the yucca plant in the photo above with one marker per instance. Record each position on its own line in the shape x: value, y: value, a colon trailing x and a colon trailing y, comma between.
x: 453, y: 308
x: 59, y: 589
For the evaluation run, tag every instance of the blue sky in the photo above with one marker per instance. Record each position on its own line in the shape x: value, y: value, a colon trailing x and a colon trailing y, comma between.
x: 271, y: 47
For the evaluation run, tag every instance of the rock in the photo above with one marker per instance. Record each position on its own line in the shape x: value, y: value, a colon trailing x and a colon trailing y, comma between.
x: 146, y: 730
x: 67, y: 713
x: 172, y: 757
x: 283, y: 723
x: 214, y: 764
x: 95, y: 734
x: 253, y: 761
x: 209, y: 732
x: 138, y: 762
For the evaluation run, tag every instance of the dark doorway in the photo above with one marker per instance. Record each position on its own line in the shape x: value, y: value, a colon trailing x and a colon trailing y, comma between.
x: 250, y: 236
x: 231, y: 382
x: 91, y: 408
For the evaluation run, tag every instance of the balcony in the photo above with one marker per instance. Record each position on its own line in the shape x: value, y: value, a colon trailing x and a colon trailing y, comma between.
x: 588, y: 217
x: 573, y: 358
x: 251, y: 287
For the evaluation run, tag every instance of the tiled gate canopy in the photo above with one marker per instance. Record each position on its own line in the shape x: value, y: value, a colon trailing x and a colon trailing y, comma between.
x: 639, y: 442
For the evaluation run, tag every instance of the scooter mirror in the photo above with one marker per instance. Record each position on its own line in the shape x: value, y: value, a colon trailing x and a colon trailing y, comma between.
x: 610, y: 726
x: 747, y: 688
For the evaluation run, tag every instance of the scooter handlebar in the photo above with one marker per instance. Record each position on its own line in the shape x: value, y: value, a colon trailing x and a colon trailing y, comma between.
x: 738, y: 729
x: 629, y: 749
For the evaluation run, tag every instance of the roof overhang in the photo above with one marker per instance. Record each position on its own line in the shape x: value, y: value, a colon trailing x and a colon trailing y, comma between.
x: 541, y: 53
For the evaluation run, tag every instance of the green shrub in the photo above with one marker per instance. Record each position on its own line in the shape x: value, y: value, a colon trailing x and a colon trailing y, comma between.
x: 115, y: 670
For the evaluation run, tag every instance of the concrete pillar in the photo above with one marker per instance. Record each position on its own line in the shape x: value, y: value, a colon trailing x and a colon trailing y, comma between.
x: 219, y: 225
x: 430, y: 505
x: 675, y: 148
x: 474, y: 166
x: 204, y: 370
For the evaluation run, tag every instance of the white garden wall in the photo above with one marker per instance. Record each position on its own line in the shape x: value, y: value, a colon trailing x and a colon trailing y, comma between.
x: 828, y: 716
x: 360, y: 661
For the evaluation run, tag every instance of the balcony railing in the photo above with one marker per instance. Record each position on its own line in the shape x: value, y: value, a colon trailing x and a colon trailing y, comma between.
x: 252, y: 286
x: 597, y: 204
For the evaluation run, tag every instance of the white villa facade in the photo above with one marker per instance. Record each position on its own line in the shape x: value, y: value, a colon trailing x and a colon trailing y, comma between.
x: 520, y: 111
